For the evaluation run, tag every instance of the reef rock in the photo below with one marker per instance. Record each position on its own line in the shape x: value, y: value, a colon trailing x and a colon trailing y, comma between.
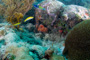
x: 14, y: 52
x: 57, y: 57
x: 48, y: 53
x: 72, y: 11
x: 11, y: 37
x: 30, y: 27
x: 51, y: 12
x: 77, y: 44
x: 43, y: 59
x: 40, y: 51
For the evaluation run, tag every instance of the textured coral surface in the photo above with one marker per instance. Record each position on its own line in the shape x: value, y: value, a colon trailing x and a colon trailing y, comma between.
x: 77, y: 44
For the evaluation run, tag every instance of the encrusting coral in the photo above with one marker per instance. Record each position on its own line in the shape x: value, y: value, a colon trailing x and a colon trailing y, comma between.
x: 14, y: 10
x: 41, y: 28
x: 14, y: 52
x: 77, y: 44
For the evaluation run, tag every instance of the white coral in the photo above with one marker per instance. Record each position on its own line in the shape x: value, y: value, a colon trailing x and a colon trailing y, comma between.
x: 79, y: 10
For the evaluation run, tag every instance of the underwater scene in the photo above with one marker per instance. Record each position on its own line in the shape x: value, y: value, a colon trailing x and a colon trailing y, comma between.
x: 44, y: 29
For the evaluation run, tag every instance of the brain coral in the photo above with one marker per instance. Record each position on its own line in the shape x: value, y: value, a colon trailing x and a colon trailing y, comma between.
x: 77, y: 44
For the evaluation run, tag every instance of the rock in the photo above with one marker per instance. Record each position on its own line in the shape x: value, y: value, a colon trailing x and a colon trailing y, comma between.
x: 39, y: 36
x: 1, y: 38
x: 30, y: 27
x: 2, y: 42
x: 77, y: 43
x: 72, y: 11
x: 40, y: 51
x: 20, y: 53
x: 55, y: 37
x: 46, y: 37
x: 57, y: 57
x: 34, y: 55
x: 43, y: 59
x: 11, y: 37
x: 51, y: 12
x: 48, y: 53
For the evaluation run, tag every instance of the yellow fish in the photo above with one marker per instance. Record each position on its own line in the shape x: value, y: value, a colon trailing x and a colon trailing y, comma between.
x: 17, y: 24
x: 27, y: 19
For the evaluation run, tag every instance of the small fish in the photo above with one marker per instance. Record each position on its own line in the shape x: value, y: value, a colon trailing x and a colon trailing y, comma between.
x: 27, y: 19
x: 40, y: 7
x: 36, y: 6
x: 17, y: 24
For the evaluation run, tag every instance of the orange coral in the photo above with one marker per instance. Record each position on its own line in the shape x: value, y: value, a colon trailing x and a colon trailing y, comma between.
x: 41, y: 28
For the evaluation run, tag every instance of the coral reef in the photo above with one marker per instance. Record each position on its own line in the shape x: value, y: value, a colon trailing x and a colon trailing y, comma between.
x: 45, y: 37
x: 17, y: 45
x: 78, y: 41
x: 59, y: 18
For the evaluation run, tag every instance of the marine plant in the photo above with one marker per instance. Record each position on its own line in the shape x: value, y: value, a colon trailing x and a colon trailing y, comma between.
x: 77, y: 44
x: 14, y: 10
x: 15, y: 18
